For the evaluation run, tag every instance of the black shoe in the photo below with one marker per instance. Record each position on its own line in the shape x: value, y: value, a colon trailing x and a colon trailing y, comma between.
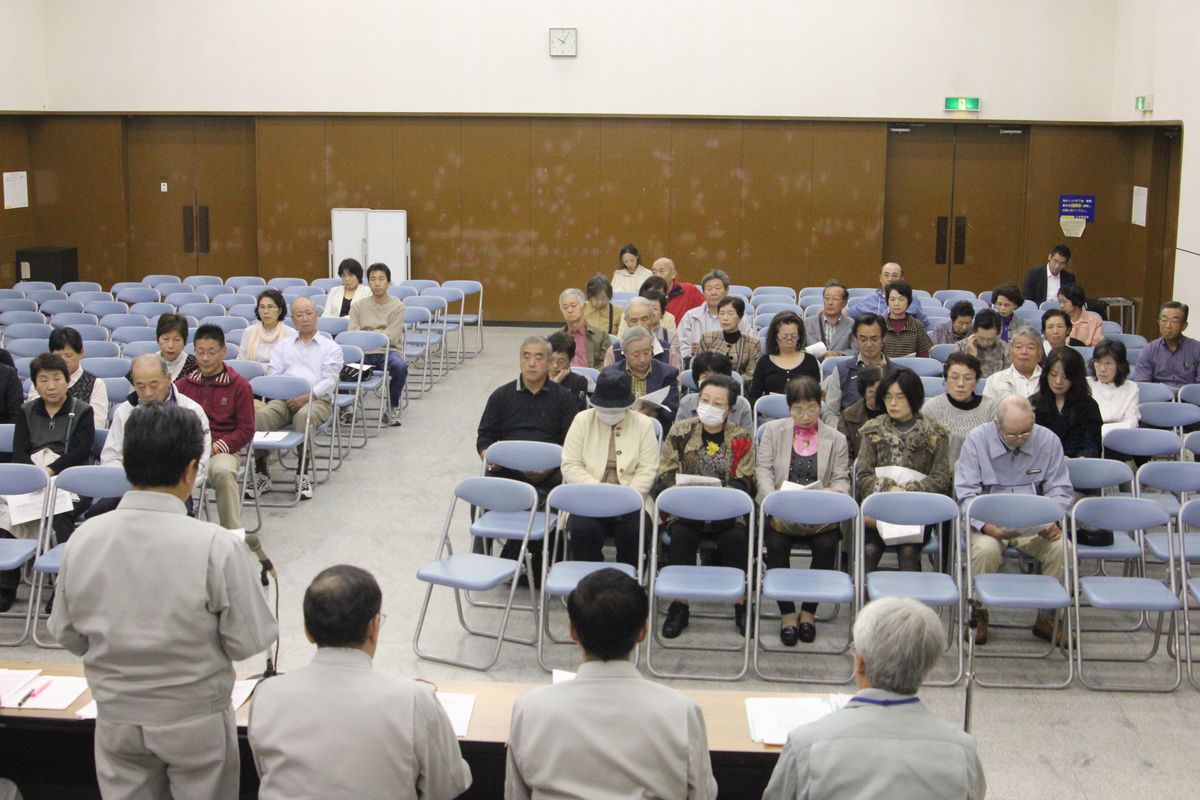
x: 676, y: 621
x: 739, y: 617
x: 789, y: 635
x: 7, y: 598
x: 49, y: 607
x: 807, y: 632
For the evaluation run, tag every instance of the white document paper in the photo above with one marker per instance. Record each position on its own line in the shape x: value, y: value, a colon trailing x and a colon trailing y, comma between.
x: 771, y: 719
x: 270, y: 436
x: 683, y: 479
x: 1140, y: 195
x: 900, y: 534
x: 902, y: 476
x: 818, y: 349
x: 56, y: 693
x: 28, y: 507
x: 458, y: 707
x: 655, y: 399
x: 16, y: 190
x: 14, y: 683
x: 561, y: 675
x: 242, y: 691
x: 87, y: 712
x: 792, y: 486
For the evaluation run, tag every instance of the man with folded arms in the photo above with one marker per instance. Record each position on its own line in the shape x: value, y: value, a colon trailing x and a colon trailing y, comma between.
x: 341, y: 728
x: 1172, y: 358
x: 571, y: 739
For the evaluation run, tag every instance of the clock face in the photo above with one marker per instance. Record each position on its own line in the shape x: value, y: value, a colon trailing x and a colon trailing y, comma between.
x: 564, y: 42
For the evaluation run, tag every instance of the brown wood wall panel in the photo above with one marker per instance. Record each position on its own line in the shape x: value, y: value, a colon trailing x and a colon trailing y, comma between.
x: 564, y: 208
x: 496, y: 215
x: 776, y: 224
x: 159, y: 149
x: 80, y: 199
x: 848, y: 190
x: 706, y: 194
x: 428, y: 183
x: 226, y: 186
x: 293, y: 221
x: 16, y: 224
x: 635, y: 182
x: 358, y: 165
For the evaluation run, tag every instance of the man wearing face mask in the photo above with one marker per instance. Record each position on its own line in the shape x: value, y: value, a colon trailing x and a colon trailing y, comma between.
x: 1014, y: 456
x: 647, y: 374
x: 610, y: 443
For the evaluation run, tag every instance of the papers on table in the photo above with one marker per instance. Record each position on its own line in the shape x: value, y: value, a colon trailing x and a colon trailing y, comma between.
x: 270, y: 436
x: 29, y: 688
x: 28, y: 507
x: 87, y: 712
x: 683, y: 479
x: 818, y: 349
x: 773, y: 718
x: 458, y: 707
x: 241, y: 693
x: 14, y: 683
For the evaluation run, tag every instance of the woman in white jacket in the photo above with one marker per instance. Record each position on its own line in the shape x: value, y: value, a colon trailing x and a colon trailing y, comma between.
x: 1112, y: 390
x: 630, y: 276
x: 351, y: 292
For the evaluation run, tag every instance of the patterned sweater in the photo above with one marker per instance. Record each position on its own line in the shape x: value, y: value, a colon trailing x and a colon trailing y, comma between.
x: 925, y: 448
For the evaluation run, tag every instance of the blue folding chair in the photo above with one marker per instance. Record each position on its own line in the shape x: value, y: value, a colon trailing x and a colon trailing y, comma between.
x: 377, y: 383
x: 949, y: 297
x: 226, y: 324
x: 34, y: 330
x: 783, y: 291
x: 74, y: 287
x: 252, y: 290
x: 12, y: 294
x: 477, y: 572
x: 114, y: 321
x: 933, y: 386
x: 151, y: 309
x: 132, y: 350
x: 202, y: 280
x: 1168, y: 483
x: 469, y: 288
x: 52, y: 307
x: 1140, y: 594
x: 27, y: 348
x: 402, y: 292
x: 159, y: 279
x: 285, y: 283
x: 561, y: 578
x: 1189, y: 553
x: 332, y: 326
x: 211, y: 292
x: 590, y: 374
x: 932, y: 588
x: 16, y: 304
x: 940, y: 352
x: 238, y: 281
x: 202, y: 310
x: 106, y: 367
x: 40, y: 296
x: 92, y: 297
x: 768, y: 407
x: 102, y: 308
x: 10, y: 318
x: 86, y: 481
x: 139, y: 295
x: 1104, y: 475
x: 829, y: 365
x: 327, y: 284
x: 820, y: 508
x: 924, y: 367
x: 99, y: 347
x: 1143, y: 442
x: 233, y: 300
x: 118, y: 390
x: 281, y: 387
x: 1154, y: 393
x: 133, y: 333
x: 1020, y: 590
x: 696, y: 583
x: 70, y: 319
x: 34, y: 286
x: 1175, y: 416
x: 16, y: 553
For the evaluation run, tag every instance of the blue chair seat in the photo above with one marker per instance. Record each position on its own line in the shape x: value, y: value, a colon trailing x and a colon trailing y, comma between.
x: 345, y: 400
x: 1123, y: 548
x: 1128, y: 594
x: 423, y: 338
x: 436, y: 326
x: 566, y: 575
x: 15, y: 552
x: 292, y: 440
x: 465, y: 319
x: 50, y: 561
x: 471, y: 571
x: 808, y: 585
x: 931, y: 588
x: 1156, y: 543
x: 683, y: 582
x: 1007, y: 590
x: 511, y: 525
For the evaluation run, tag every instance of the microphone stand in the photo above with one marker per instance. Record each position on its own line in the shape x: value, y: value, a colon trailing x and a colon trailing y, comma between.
x: 270, y: 671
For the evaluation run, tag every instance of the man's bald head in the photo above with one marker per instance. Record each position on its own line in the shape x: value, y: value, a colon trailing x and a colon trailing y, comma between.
x: 151, y: 379
x: 304, y: 314
x: 665, y: 269
x: 1015, y: 421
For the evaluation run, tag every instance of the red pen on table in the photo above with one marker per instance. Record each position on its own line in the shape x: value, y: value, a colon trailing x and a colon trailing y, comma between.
x: 32, y: 693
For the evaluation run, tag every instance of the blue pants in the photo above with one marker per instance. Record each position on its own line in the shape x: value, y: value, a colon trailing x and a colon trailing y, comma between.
x: 397, y: 372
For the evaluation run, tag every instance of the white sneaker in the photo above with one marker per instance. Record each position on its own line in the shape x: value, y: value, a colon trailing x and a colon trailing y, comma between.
x: 393, y: 419
x: 306, y: 490
x: 262, y: 485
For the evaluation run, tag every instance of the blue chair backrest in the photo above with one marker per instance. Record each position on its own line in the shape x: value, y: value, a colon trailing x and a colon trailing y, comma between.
x: 771, y: 406
x: 139, y: 295
x: 1171, y: 476
x: 71, y: 287
x: 810, y: 507
x: 1189, y: 393
x: 40, y: 296
x: 952, y: 296
x: 118, y: 390
x: 203, y: 280
x: 434, y: 304
x: 418, y: 283
x: 134, y: 333
x: 102, y: 308
x: 351, y: 354
x: 1090, y: 474
x: 928, y: 367
x: 22, y: 365
x: 524, y: 456
x: 7, y: 431
x: 1120, y: 513
x: 1142, y: 442
x: 21, y: 318
x: 14, y: 304
x: 226, y: 324
x: 247, y: 369
x: 1156, y: 415
x: 91, y: 332
x: 333, y: 325
x: 155, y: 280
x: 402, y: 292
x: 1015, y: 510
x: 61, y: 307
x: 185, y: 298
x: 202, y: 310
x: 135, y: 349
x: 21, y: 478
x: 280, y: 387
x: 69, y: 319
x: 11, y: 294
x: 238, y: 281
x: 152, y: 309
x: 940, y: 352
x: 213, y: 291
x: 468, y: 287
x: 784, y: 291
x: 253, y: 290
x: 367, y: 340
x: 34, y: 286
x: 231, y: 301
x: 27, y: 348
x: 34, y: 330
x: 248, y: 312
x: 910, y: 508
x: 1155, y: 393
x: 101, y: 349
x: 114, y: 321
x: 933, y: 386
x: 106, y: 367
x: 91, y: 297
x: 414, y: 315
x: 93, y: 481
x: 601, y: 500
x: 738, y: 290
x: 716, y: 502
x: 284, y: 283
x: 832, y: 363
x: 497, y: 494
x: 327, y: 284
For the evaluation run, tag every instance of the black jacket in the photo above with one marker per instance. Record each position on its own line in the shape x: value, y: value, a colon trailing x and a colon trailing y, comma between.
x: 1035, y: 283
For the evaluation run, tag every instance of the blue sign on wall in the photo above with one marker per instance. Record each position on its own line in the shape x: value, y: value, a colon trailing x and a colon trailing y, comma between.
x: 1077, y: 205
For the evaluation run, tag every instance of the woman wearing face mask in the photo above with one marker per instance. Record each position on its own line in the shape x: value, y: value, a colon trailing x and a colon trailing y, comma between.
x: 609, y: 443
x: 1114, y: 393
x: 630, y: 275
x: 903, y: 437
x: 1056, y: 329
x: 1087, y: 328
x: 865, y: 409
x: 711, y: 446
x: 351, y: 292
x: 905, y: 335
x: 1064, y: 404
x: 259, y: 338
x: 960, y: 410
x: 742, y: 350
x: 803, y: 450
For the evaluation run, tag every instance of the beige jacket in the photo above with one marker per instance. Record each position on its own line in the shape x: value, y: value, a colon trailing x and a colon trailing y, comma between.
x: 585, y: 450
x: 775, y: 457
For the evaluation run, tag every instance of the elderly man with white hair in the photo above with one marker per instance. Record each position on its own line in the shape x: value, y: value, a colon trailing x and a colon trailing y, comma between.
x: 1025, y: 354
x: 705, y: 318
x: 591, y: 343
x: 884, y: 743
x: 1014, y: 455
x: 648, y: 374
x: 639, y: 313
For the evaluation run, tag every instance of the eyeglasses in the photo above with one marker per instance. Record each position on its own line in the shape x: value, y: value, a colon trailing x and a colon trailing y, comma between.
x: 382, y: 618
x: 788, y: 337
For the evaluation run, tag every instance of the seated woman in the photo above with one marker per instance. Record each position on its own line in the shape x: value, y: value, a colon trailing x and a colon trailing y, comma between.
x: 1063, y: 403
x: 661, y: 316
x: 742, y: 350
x: 803, y: 450
x: 609, y: 443
x: 630, y: 275
x: 172, y: 332
x: 1006, y: 299
x: 905, y: 334
x: 1056, y: 330
x: 562, y: 350
x: 705, y: 366
x: 960, y: 410
x: 259, y: 338
x: 85, y: 386
x: 1087, y: 328
x: 53, y: 431
x: 599, y: 310
x: 866, y: 408
x: 351, y: 292
x: 1114, y: 393
x: 903, y: 437
x: 785, y: 358
x: 711, y: 446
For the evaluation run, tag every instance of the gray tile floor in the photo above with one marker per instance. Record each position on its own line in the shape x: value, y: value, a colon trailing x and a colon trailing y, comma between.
x: 384, y: 510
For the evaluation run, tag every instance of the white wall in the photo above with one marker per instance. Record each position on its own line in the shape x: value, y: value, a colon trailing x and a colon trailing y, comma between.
x: 23, y: 56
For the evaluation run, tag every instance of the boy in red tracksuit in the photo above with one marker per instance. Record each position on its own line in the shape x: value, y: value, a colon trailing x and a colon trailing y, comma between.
x: 226, y: 398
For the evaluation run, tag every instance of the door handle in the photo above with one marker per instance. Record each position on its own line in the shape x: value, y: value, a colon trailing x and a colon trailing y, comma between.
x: 189, y: 229
x: 943, y: 231
x: 960, y: 240
x: 203, y: 225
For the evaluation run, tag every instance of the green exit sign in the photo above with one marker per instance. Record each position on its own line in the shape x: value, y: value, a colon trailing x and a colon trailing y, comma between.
x: 962, y: 103
x: 1144, y: 102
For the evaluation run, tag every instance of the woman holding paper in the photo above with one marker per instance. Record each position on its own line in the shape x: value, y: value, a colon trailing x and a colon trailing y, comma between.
x: 713, y: 449
x: 1114, y: 393
x: 742, y: 350
x: 800, y: 450
x: 785, y: 359
x: 903, y: 450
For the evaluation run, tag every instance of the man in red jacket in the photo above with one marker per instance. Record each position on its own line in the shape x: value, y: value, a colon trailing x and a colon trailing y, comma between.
x: 226, y: 398
x: 681, y: 297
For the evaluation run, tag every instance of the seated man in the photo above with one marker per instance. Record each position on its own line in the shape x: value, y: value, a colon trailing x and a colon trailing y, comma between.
x: 228, y: 402
x: 832, y: 326
x: 338, y: 727
x: 706, y: 318
x: 1172, y: 358
x: 591, y: 343
x: 681, y: 297
x: 1043, y: 281
x: 985, y: 343
x: 639, y: 313
x: 876, y: 302
x: 704, y: 366
x: 316, y: 359
x: 955, y: 329
x: 571, y: 739
x: 884, y: 743
x: 1014, y: 456
x: 841, y: 385
x: 384, y: 314
x: 648, y: 374
x: 85, y: 387
x: 1025, y: 352
x: 562, y: 353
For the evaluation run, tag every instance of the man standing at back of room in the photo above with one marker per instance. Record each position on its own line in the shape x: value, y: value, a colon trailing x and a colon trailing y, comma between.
x: 1043, y: 281
x: 681, y: 297
x: 383, y: 313
x: 876, y: 302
